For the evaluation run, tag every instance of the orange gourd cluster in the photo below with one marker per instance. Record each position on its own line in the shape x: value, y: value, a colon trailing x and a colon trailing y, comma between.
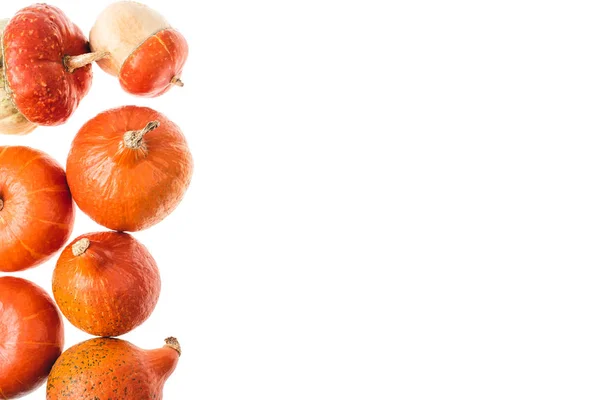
x: 128, y: 169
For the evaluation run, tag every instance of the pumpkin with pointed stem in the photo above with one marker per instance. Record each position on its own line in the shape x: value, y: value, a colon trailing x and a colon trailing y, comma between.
x: 31, y: 336
x: 144, y: 51
x: 106, y: 283
x: 105, y: 368
x: 129, y: 168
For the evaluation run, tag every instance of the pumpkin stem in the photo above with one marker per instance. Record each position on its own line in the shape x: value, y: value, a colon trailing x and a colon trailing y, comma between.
x: 80, y: 247
x: 74, y: 62
x: 133, y: 139
x: 177, y: 81
x: 174, y: 344
x: 1, y: 204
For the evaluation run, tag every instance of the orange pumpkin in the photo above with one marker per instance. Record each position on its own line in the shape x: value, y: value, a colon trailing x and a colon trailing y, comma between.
x: 106, y: 283
x: 36, y: 209
x: 31, y: 336
x: 104, y: 368
x: 129, y: 168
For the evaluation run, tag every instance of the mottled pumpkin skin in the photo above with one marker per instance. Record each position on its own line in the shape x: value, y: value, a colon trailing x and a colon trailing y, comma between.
x: 37, y: 215
x: 110, y: 369
x: 111, y: 288
x: 31, y: 336
x: 12, y: 122
x: 35, y: 43
x: 148, y: 71
x: 128, y: 189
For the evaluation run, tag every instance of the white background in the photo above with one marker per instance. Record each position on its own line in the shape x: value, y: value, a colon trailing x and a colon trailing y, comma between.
x: 392, y: 199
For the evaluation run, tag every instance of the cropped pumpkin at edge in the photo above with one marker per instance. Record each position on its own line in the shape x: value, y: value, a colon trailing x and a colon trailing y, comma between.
x: 36, y: 208
x: 106, y: 283
x: 46, y: 68
x: 12, y: 122
x: 31, y: 336
x: 104, y: 368
x: 129, y: 168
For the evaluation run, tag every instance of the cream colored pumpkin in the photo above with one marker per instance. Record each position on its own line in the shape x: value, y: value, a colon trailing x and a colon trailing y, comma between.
x: 12, y: 122
x: 120, y: 29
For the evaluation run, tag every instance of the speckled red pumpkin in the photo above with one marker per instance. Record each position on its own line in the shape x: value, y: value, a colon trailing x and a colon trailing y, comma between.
x: 104, y: 368
x: 106, y: 283
x: 129, y: 168
x: 36, y: 209
x: 31, y: 336
x: 46, y: 69
x: 144, y: 51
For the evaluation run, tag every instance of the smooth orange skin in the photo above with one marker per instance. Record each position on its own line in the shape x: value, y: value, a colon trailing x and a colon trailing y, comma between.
x: 38, y: 215
x: 105, y: 369
x: 110, y: 289
x: 35, y: 41
x: 31, y: 336
x: 148, y: 71
x: 128, y: 189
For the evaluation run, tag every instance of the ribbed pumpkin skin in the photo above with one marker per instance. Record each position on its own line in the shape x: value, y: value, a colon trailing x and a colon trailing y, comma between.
x: 31, y: 336
x: 111, y: 288
x: 128, y: 189
x: 104, y: 368
x: 36, y: 218
x: 35, y: 42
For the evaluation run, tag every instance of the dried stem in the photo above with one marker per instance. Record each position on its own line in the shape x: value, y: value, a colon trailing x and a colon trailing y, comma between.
x: 177, y: 81
x: 80, y: 247
x: 174, y: 344
x: 74, y: 62
x: 133, y: 139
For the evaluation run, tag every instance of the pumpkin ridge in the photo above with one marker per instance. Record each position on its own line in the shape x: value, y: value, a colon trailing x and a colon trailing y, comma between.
x: 37, y: 314
x: 43, y: 221
x: 49, y: 189
x: 31, y: 252
x: 28, y: 163
x: 32, y: 343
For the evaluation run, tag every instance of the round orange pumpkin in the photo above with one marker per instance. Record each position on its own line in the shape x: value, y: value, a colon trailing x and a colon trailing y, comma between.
x: 106, y: 283
x: 31, y: 336
x: 129, y: 168
x: 105, y: 368
x: 36, y: 209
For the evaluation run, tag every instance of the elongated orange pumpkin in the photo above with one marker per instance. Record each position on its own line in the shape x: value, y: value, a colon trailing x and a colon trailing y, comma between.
x: 31, y: 336
x: 129, y: 168
x: 104, y: 368
x: 36, y: 209
x: 106, y: 283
